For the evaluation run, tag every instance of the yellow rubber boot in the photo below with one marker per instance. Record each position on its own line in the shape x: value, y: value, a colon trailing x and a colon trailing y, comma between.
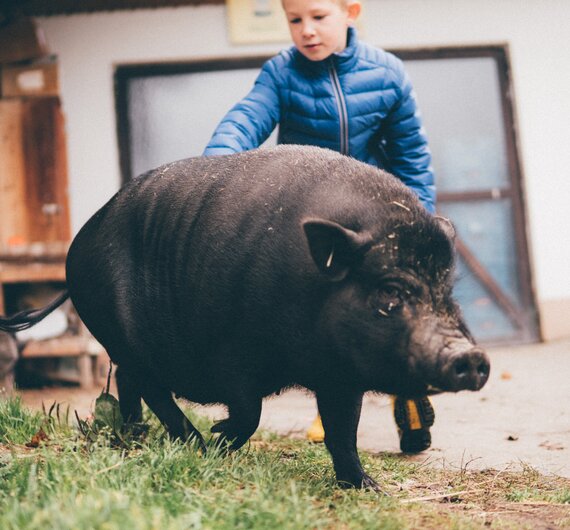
x: 413, y: 417
x: 316, y: 432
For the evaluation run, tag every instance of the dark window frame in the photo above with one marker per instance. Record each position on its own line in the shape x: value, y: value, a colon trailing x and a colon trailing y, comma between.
x: 125, y: 73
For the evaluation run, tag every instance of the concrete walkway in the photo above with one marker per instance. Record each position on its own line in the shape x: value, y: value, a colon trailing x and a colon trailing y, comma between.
x: 521, y: 417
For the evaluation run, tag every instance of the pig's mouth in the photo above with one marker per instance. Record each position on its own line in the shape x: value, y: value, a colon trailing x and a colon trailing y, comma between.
x: 452, y: 370
x: 407, y: 384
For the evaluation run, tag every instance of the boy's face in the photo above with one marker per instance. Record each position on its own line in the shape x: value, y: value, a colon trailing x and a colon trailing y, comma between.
x: 318, y: 27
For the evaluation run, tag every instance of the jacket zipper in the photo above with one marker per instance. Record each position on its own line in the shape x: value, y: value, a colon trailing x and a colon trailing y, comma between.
x: 342, y: 112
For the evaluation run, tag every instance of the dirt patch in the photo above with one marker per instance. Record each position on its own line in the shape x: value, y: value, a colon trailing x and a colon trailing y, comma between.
x: 485, y: 497
x: 535, y: 516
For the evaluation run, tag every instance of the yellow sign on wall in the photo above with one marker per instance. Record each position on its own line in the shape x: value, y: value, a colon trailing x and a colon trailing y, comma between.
x: 256, y: 21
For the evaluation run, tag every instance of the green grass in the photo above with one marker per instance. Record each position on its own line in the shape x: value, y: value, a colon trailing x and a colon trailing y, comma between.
x: 93, y: 480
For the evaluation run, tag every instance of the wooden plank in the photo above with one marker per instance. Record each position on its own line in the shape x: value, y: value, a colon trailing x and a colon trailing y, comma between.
x: 20, y: 39
x: 31, y: 272
x: 25, y: 272
x: 46, y: 170
x: 70, y: 346
x: 13, y: 214
x: 40, y: 252
x: 34, y: 205
x: 52, y: 348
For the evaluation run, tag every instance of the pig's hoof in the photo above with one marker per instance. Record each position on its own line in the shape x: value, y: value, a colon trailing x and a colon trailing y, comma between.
x: 223, y: 445
x: 226, y: 439
x: 370, y: 484
x: 225, y: 429
x: 364, y: 482
x: 136, y: 430
x: 220, y: 426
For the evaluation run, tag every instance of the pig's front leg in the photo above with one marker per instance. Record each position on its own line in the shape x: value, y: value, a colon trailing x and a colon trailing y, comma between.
x: 242, y: 422
x: 340, y: 412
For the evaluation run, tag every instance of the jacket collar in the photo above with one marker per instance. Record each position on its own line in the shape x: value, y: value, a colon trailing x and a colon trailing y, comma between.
x: 345, y: 59
x: 342, y: 61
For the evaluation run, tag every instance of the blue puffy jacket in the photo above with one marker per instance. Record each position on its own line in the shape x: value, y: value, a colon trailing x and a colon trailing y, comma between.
x: 358, y: 102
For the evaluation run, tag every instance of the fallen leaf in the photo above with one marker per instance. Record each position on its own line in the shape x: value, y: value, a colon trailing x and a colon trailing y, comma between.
x: 552, y: 446
x: 107, y: 412
x: 38, y: 438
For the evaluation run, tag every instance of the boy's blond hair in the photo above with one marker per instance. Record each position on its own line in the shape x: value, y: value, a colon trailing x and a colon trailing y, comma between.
x: 342, y: 3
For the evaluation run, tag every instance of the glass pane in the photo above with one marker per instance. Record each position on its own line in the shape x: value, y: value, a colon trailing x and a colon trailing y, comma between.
x: 461, y: 108
x: 486, y: 229
x: 173, y: 116
x: 486, y: 320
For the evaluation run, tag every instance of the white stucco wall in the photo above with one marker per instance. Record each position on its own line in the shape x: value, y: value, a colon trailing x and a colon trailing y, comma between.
x: 536, y: 31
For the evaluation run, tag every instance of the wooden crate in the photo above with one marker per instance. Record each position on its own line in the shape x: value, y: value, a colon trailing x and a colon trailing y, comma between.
x: 36, y: 79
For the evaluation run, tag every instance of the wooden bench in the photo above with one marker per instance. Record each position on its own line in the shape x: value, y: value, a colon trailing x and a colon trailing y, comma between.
x: 91, y: 357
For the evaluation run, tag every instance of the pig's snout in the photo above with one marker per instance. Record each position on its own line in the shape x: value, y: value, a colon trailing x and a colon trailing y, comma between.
x: 468, y: 370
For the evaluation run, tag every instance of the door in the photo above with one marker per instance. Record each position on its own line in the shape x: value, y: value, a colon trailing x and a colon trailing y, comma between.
x: 465, y: 99
x: 169, y: 111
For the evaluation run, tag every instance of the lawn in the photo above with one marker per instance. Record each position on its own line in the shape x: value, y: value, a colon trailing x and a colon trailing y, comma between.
x: 54, y: 474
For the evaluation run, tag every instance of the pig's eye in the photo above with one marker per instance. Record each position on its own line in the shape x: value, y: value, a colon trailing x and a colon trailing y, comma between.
x: 390, y: 291
x: 388, y: 299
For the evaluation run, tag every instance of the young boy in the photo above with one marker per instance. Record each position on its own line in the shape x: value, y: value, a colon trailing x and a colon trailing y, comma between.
x: 331, y: 90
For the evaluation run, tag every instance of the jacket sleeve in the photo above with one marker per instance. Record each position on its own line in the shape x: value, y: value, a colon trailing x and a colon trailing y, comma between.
x: 250, y: 122
x: 406, y: 144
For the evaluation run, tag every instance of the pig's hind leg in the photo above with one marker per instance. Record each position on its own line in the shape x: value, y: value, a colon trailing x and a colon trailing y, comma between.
x: 340, y: 413
x: 129, y: 396
x: 160, y: 401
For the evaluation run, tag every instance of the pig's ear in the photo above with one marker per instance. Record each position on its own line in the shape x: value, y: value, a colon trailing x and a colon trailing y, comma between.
x: 335, y: 248
x: 446, y: 226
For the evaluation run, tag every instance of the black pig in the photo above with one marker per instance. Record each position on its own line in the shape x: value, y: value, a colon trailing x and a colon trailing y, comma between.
x: 226, y: 279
